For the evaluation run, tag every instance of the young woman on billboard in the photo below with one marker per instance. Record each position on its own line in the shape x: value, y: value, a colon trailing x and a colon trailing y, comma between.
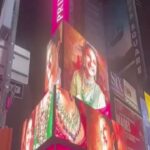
x: 84, y: 85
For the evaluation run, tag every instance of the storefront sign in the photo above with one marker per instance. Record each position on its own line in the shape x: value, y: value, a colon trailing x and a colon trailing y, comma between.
x: 132, y: 123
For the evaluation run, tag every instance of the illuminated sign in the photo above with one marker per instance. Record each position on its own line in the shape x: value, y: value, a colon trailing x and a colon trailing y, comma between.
x: 60, y: 11
x: 132, y: 123
x: 147, y: 100
x: 136, y: 43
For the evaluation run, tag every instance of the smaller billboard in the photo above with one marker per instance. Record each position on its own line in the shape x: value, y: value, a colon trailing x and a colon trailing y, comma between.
x: 132, y: 123
x: 43, y: 120
x: 146, y: 123
x: 147, y: 100
x: 104, y: 134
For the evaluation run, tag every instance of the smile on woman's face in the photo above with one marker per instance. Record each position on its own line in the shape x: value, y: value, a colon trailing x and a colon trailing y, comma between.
x: 90, y: 63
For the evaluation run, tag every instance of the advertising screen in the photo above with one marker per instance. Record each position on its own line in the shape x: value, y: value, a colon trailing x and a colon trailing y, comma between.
x: 43, y: 120
x: 132, y: 123
x: 28, y: 133
x: 44, y: 110
x: 80, y: 124
x: 146, y: 123
x: 103, y: 133
x: 69, y: 124
x: 53, y: 61
x: 84, y: 70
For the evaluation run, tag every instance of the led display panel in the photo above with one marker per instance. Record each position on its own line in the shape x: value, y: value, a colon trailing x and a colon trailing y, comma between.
x: 28, y: 133
x: 84, y: 70
x: 104, y: 133
x: 43, y: 120
x: 69, y: 124
x: 80, y: 124
x: 44, y: 111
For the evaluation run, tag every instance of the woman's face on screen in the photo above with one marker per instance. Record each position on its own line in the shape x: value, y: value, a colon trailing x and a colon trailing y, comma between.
x: 90, y: 63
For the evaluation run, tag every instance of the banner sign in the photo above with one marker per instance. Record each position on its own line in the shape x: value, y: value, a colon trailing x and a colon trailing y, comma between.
x: 132, y: 123
x: 135, y: 36
x: 60, y: 11
x: 124, y: 90
x: 147, y: 100
x: 146, y: 123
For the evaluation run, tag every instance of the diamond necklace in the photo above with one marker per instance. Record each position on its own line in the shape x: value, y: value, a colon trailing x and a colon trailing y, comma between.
x: 70, y: 120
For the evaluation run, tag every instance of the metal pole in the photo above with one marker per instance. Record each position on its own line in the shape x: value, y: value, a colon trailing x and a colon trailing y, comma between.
x: 8, y: 65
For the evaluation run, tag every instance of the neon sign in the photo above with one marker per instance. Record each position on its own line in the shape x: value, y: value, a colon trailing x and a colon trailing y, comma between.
x: 60, y: 11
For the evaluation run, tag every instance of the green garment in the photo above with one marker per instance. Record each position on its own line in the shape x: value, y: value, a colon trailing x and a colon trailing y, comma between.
x: 49, y: 123
x: 93, y: 96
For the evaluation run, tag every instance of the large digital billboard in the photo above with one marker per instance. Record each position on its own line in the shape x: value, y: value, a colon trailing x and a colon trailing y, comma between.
x: 84, y: 70
x: 80, y: 124
x: 44, y: 110
x: 69, y: 124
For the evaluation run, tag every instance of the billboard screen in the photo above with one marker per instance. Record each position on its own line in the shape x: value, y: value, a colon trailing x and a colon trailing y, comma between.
x: 27, y: 141
x: 84, y: 70
x: 69, y: 124
x: 43, y: 112
x: 132, y: 123
x: 80, y: 124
